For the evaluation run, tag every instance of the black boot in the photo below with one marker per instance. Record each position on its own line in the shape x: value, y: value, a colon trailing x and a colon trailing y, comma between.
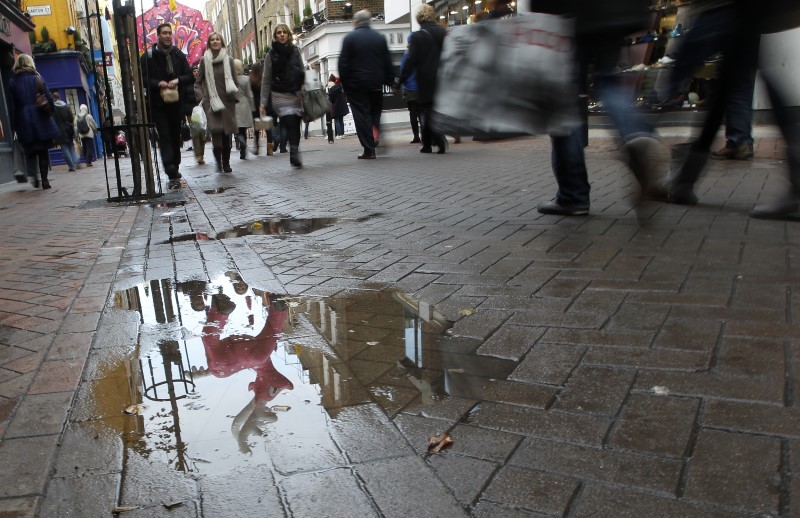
x: 45, y: 182
x: 226, y: 159
x: 294, y: 156
x: 681, y: 186
x: 218, y: 159
x: 242, y: 147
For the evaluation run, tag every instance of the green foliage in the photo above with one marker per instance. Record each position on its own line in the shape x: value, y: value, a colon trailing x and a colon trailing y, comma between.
x: 45, y: 34
x: 32, y: 37
x: 307, y: 12
x: 296, y: 19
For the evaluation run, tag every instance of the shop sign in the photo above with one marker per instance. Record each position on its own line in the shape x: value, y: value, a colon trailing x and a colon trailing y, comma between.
x: 39, y: 10
x: 108, y: 60
x: 5, y: 25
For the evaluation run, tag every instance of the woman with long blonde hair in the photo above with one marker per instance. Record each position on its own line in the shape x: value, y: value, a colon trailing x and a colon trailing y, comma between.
x: 220, y: 95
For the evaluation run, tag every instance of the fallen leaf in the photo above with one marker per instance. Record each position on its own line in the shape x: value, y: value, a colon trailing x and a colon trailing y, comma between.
x: 134, y: 410
x: 373, y: 343
x: 467, y: 312
x: 281, y: 408
x: 124, y: 509
x: 661, y: 391
x: 172, y: 505
x: 439, y: 442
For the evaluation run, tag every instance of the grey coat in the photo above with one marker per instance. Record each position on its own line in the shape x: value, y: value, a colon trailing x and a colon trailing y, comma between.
x: 244, y: 108
x: 224, y: 121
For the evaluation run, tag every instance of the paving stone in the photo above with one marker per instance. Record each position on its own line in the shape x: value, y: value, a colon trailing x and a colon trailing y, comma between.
x: 549, y: 318
x: 656, y: 424
x: 548, y: 363
x: 40, y: 414
x: 586, y: 462
x: 447, y: 409
x: 579, y: 428
x: 392, y: 481
x: 491, y: 445
x: 315, y: 494
x: 735, y: 470
x: 67, y: 346
x: 657, y: 359
x: 479, y: 325
x: 597, y: 500
x: 92, y: 448
x: 753, y: 418
x: 465, y: 476
x: 19, y: 507
x: 688, y: 333
x: 531, y: 490
x: 26, y: 463
x: 739, y: 357
x: 216, y: 490
x: 92, y: 495
x: 713, y: 386
x: 149, y: 482
x: 599, y: 390
x: 57, y: 376
x: 485, y: 509
x: 366, y: 434
x: 511, y: 341
x: 516, y: 393
x: 417, y: 430
x: 598, y: 337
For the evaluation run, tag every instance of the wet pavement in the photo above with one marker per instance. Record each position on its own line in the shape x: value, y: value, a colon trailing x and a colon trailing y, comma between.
x: 284, y: 343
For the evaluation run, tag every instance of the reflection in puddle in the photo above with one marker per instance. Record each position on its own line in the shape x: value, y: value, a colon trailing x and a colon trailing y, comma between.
x: 263, y: 227
x: 217, y: 190
x: 229, y: 374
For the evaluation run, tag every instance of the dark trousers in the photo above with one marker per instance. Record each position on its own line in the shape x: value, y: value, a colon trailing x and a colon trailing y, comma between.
x: 429, y: 137
x: 366, y: 107
x: 413, y: 115
x: 290, y: 125
x: 168, y: 125
x: 338, y: 123
x: 38, y: 159
x: 88, y: 149
x: 569, y: 168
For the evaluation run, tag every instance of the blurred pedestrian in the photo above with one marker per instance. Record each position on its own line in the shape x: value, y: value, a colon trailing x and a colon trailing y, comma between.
x: 65, y: 120
x: 424, y: 51
x: 338, y: 105
x: 365, y: 66
x: 600, y: 28
x: 244, y: 108
x: 751, y: 22
x: 255, y: 87
x: 35, y: 128
x: 199, y: 132
x: 166, y: 72
x: 281, y: 83
x: 220, y: 95
x: 87, y: 127
x: 409, y: 88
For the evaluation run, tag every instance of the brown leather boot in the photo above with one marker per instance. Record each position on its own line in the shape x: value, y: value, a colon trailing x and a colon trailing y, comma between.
x: 269, y: 149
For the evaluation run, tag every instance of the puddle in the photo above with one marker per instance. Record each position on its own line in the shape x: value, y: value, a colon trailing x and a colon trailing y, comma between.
x: 227, y: 374
x: 262, y: 227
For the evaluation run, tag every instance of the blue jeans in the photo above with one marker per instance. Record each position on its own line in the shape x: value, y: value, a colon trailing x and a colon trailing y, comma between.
x: 338, y: 123
x: 70, y: 155
x: 569, y: 168
x: 739, y: 112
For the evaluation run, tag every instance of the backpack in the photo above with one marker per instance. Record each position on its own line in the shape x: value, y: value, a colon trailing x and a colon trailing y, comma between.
x: 83, y: 126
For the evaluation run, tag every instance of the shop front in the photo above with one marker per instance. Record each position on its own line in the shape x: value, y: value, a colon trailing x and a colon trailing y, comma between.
x: 14, y: 28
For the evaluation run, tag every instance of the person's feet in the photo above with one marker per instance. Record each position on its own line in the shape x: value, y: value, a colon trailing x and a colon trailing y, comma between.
x: 366, y: 156
x: 426, y: 149
x: 734, y: 152
x: 226, y: 168
x: 553, y: 207
x: 786, y: 206
x: 200, y: 160
x: 415, y: 141
x: 45, y: 184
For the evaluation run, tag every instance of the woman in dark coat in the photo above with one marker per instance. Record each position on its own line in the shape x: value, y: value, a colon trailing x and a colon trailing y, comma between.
x: 35, y: 129
x: 338, y: 104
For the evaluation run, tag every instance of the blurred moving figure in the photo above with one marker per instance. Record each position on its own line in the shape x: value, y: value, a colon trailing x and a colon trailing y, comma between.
x: 199, y: 136
x: 244, y: 108
x: 65, y: 120
x: 751, y: 21
x: 338, y: 104
x: 409, y: 87
x: 600, y: 28
x: 365, y: 66
x: 424, y: 51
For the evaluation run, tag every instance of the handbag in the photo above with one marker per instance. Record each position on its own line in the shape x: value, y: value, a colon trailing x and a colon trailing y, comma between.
x: 42, y: 102
x: 315, y: 104
x: 170, y: 95
x: 508, y: 77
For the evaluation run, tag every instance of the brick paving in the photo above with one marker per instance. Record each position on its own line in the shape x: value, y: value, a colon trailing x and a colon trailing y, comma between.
x: 654, y: 350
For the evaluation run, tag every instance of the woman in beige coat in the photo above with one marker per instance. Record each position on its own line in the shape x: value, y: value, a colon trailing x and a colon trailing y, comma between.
x: 244, y: 108
x: 220, y: 95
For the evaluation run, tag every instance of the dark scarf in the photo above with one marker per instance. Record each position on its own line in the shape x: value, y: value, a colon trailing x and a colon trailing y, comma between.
x: 283, y: 79
x: 167, y: 58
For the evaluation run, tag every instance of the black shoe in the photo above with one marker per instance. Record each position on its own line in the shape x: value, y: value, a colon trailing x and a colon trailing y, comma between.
x: 785, y: 207
x: 366, y: 156
x: 426, y: 150
x: 45, y: 184
x: 552, y: 207
x: 415, y: 141
x: 441, y: 151
x: 227, y: 168
x: 36, y: 182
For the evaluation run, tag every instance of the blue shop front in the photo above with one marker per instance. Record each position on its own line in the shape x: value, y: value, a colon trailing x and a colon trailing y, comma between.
x: 65, y: 73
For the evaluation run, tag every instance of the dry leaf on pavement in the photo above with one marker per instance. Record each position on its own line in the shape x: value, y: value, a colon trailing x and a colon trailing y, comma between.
x: 439, y: 442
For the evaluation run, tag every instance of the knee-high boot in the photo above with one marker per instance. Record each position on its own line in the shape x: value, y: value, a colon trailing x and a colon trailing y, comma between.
x: 226, y: 155
x: 294, y: 155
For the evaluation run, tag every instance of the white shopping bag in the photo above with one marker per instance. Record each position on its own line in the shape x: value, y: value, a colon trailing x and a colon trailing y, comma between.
x: 312, y: 80
x: 198, y: 122
x: 508, y: 76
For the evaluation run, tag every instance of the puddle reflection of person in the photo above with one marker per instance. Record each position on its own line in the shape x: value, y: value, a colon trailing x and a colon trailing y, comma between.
x: 229, y: 355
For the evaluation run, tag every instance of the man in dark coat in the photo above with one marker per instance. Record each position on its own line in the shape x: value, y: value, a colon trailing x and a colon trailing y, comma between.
x: 365, y: 65
x: 424, y: 51
x: 165, y: 68
x: 65, y: 120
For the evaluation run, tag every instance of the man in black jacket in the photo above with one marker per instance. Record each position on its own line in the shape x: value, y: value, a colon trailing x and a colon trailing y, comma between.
x: 424, y: 52
x: 165, y: 69
x: 365, y: 65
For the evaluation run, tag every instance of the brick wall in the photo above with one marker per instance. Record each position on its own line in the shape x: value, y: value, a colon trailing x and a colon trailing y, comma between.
x: 336, y: 9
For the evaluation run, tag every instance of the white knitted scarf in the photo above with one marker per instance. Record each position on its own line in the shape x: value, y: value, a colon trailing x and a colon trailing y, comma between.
x: 230, y: 85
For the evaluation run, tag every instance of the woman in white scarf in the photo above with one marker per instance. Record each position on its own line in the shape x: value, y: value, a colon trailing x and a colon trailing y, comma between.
x: 220, y: 95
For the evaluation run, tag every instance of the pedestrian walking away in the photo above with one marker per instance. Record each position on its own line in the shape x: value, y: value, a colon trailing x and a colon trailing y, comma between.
x: 365, y: 66
x: 220, y: 96
x: 65, y: 120
x: 167, y: 74
x: 339, y: 108
x: 33, y: 125
x: 244, y: 108
x: 87, y: 128
x: 281, y: 83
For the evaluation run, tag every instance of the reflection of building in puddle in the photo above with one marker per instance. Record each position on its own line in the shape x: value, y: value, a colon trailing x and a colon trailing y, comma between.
x: 390, y: 344
x: 261, y: 227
